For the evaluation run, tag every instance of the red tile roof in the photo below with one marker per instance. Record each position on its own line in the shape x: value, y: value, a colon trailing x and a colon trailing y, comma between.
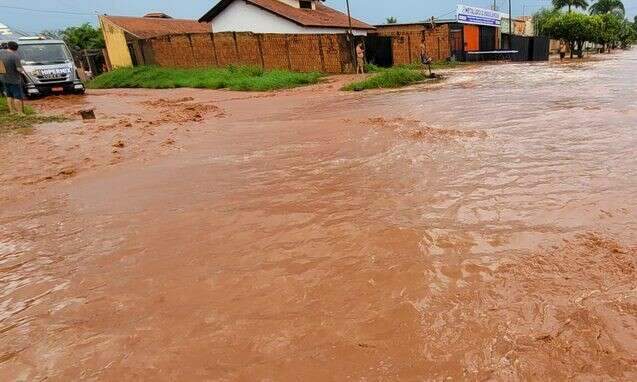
x: 321, y: 17
x: 148, y: 27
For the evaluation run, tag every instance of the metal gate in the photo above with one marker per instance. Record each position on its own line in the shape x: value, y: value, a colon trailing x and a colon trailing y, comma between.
x: 540, y: 51
x: 378, y: 51
x: 487, y: 39
x: 457, y: 47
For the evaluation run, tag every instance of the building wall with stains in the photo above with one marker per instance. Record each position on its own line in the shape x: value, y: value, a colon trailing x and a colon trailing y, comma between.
x: 116, y: 45
x: 406, y: 40
x: 327, y: 53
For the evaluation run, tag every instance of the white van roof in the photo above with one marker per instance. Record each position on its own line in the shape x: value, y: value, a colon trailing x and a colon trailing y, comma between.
x: 37, y: 41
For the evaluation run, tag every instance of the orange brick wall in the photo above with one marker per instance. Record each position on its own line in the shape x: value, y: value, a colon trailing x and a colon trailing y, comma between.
x: 437, y: 43
x: 162, y: 51
x: 400, y: 48
x: 332, y: 52
x: 393, y: 28
x: 182, y: 44
x: 248, y: 48
x: 203, y: 50
x: 275, y: 52
x: 226, y: 49
x: 406, y: 42
x: 305, y: 53
x: 326, y: 53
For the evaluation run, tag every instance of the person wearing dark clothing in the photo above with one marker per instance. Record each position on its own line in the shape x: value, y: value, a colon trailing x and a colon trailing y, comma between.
x: 13, y: 78
x: 3, y: 46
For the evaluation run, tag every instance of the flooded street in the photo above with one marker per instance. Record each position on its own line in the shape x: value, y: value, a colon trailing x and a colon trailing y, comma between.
x: 483, y: 228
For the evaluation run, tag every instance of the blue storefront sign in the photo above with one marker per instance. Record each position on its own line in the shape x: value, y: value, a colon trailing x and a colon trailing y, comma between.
x: 478, y: 16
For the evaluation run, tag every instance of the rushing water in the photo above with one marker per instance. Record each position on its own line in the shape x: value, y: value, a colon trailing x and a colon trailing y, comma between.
x: 481, y: 228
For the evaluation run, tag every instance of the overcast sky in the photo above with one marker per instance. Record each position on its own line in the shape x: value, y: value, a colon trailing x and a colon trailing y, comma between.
x: 39, y: 16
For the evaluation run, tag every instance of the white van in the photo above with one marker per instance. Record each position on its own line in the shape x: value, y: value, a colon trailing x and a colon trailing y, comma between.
x: 49, y: 67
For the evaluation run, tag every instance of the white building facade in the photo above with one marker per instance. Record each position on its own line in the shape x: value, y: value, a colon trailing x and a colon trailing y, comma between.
x: 281, y: 16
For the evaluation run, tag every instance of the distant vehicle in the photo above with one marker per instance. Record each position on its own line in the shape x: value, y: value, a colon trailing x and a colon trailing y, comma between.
x: 49, y: 67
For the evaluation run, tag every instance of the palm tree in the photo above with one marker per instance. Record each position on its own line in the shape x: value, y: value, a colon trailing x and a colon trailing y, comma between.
x: 559, y: 4
x: 602, y: 7
x: 392, y: 20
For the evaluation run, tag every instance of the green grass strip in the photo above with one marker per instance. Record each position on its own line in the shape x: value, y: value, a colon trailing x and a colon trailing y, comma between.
x: 241, y: 78
x: 22, y: 124
x: 387, y: 79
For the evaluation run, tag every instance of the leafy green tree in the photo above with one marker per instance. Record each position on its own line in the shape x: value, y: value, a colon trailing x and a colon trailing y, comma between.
x: 574, y: 28
x: 392, y: 20
x: 559, y: 4
x: 541, y: 17
x: 602, y: 7
x: 610, y: 32
x: 83, y: 37
x: 628, y: 35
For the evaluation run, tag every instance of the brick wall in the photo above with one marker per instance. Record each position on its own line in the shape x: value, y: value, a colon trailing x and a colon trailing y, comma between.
x: 328, y: 53
x: 391, y: 28
x: 406, y: 42
x: 274, y: 50
x: 225, y: 49
x: 203, y: 50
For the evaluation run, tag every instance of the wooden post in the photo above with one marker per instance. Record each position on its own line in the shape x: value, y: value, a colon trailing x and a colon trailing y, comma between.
x: 236, y: 46
x: 287, y: 50
x: 214, y: 49
x: 260, y: 50
x: 320, y: 45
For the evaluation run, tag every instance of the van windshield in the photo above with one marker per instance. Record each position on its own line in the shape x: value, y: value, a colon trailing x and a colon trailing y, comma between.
x: 44, y: 54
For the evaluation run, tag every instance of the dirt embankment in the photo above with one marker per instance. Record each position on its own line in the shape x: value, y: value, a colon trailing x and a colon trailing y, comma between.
x: 128, y: 126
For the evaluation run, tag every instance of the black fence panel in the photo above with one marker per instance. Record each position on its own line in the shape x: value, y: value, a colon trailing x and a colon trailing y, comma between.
x: 529, y: 48
x: 487, y: 38
x: 540, y: 48
x: 378, y: 51
x: 521, y: 44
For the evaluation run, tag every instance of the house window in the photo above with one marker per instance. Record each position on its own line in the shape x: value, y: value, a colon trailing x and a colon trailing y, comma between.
x: 305, y: 4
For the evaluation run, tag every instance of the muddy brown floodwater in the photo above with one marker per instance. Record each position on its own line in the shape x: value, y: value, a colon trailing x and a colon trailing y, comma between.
x: 484, y: 228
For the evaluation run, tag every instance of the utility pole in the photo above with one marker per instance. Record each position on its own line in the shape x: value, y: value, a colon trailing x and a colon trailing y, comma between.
x: 349, y: 17
x: 510, y: 25
x: 350, y: 36
x: 495, y: 5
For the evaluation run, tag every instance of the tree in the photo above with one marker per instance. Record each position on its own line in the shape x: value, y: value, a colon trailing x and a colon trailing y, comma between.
x: 392, y: 20
x: 83, y: 37
x: 541, y: 17
x: 559, y: 4
x: 610, y: 32
x: 574, y: 28
x: 628, y: 35
x: 602, y: 7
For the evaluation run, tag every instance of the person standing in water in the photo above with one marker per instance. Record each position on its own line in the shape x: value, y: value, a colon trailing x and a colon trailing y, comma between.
x: 360, y: 58
x: 13, y: 78
x: 562, y: 50
x: 425, y: 60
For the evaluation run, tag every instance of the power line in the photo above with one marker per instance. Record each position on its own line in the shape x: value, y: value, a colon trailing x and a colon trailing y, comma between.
x: 446, y: 14
x: 49, y: 11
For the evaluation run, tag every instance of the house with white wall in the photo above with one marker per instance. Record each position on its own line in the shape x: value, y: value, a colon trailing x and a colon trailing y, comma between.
x: 281, y: 16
